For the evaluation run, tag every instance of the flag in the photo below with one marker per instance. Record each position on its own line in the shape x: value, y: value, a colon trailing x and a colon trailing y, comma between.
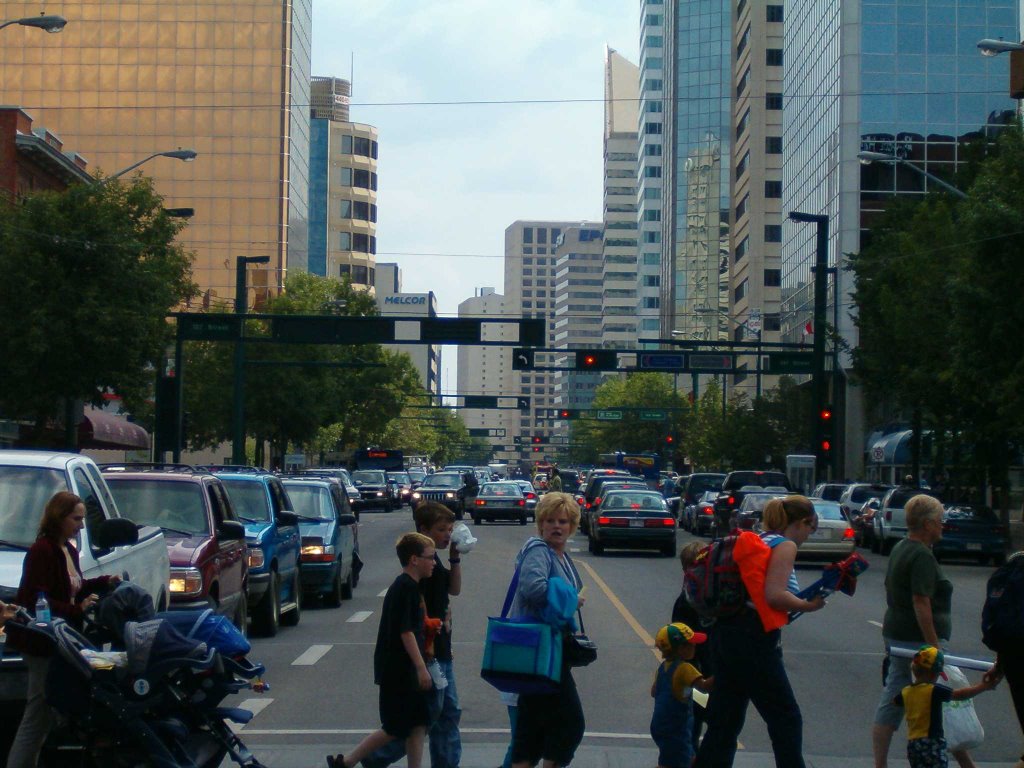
x: 808, y: 329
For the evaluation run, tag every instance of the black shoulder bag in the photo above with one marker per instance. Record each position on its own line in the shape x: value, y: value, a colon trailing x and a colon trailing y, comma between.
x: 578, y: 650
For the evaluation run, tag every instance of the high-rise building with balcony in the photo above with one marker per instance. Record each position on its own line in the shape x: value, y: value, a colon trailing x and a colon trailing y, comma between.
x: 901, y: 79
x: 342, y: 187
x: 651, y: 143
x: 231, y: 81
x: 621, y: 284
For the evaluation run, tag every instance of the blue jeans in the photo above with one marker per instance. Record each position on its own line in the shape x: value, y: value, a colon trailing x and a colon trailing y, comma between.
x: 445, y: 741
x: 513, y: 713
x: 748, y: 668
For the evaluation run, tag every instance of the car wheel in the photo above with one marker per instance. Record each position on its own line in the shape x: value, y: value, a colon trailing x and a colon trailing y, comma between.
x: 522, y: 520
x: 333, y: 598
x: 241, y: 620
x: 268, y: 612
x: 348, y: 586
x: 669, y: 550
x: 598, y: 548
x: 291, y: 618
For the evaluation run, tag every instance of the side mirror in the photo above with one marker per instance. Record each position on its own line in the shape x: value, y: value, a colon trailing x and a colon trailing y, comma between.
x: 286, y: 518
x: 346, y: 519
x: 231, y: 530
x: 117, y: 532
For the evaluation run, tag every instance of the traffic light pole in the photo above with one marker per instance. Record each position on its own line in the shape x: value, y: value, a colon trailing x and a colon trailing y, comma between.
x: 819, y: 383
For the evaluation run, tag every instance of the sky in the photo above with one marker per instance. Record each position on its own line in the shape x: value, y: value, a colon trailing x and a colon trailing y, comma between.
x: 452, y: 177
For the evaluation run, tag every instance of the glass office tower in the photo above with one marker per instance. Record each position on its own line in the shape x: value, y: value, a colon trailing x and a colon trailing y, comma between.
x: 230, y: 80
x: 695, y: 187
x: 900, y: 77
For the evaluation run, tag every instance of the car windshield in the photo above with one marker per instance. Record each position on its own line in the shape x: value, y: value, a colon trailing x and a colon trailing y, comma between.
x: 501, y: 489
x: 756, y: 501
x: 416, y: 475
x: 442, y: 481
x: 249, y: 499
x: 864, y: 492
x: 177, y: 507
x: 828, y: 510
x: 311, y: 501
x: 526, y: 485
x: 832, y: 492
x: 369, y: 477
x: 622, y: 500
x: 24, y: 492
x: 401, y: 477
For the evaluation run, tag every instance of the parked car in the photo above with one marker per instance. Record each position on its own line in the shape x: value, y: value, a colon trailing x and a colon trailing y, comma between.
x: 738, y: 484
x: 205, y: 539
x: 833, y: 539
x: 699, y: 517
x: 863, y: 522
x: 890, y: 522
x: 633, y: 519
x: 345, y: 478
x: 330, y: 538
x: 829, y: 491
x: 374, y: 489
x: 272, y: 536
x: 974, y: 532
x: 499, y: 501
x: 109, y: 544
x: 530, y: 494
x: 448, y: 488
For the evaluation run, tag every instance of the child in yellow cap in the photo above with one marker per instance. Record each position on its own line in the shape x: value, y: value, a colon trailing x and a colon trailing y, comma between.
x: 922, y: 704
x: 672, y: 690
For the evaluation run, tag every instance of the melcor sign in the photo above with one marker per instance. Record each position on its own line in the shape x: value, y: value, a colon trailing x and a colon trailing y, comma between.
x: 406, y: 298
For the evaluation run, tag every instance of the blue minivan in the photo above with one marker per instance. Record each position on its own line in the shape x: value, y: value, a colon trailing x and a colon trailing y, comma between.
x: 330, y: 538
x: 273, y: 542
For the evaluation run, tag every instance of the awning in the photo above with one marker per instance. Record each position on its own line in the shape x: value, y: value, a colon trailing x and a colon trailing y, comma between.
x: 893, y: 448
x: 99, y: 429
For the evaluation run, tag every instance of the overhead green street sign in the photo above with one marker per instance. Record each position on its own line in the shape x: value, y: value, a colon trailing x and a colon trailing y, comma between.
x: 208, y: 327
x: 609, y: 415
x: 790, y: 362
x: 653, y: 415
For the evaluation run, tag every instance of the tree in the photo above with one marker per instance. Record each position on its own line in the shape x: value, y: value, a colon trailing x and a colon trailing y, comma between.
x: 90, y: 275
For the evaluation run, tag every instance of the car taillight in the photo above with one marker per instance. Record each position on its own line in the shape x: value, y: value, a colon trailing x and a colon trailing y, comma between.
x: 604, y: 520
x: 634, y: 506
x: 480, y: 502
x: 707, y: 509
x: 848, y: 533
x: 521, y: 503
x: 731, y: 501
x: 597, y: 501
x: 667, y: 521
x: 531, y: 495
x: 588, y: 505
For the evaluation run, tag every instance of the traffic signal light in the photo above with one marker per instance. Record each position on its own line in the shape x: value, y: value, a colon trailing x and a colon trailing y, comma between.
x: 537, y: 449
x: 670, y: 440
x: 826, y: 432
x: 596, y: 360
x: 537, y: 439
x: 568, y: 413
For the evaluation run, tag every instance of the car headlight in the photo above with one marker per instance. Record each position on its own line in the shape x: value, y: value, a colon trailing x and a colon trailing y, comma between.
x: 449, y: 495
x: 186, y: 581
x: 317, y: 547
x: 380, y: 493
x: 256, y: 557
x: 417, y: 495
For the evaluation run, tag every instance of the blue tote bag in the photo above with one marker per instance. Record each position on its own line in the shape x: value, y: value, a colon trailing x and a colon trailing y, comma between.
x: 521, y: 655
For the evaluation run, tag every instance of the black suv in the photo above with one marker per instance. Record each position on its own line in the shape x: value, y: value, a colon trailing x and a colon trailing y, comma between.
x: 731, y: 497
x: 375, y: 490
x: 448, y: 488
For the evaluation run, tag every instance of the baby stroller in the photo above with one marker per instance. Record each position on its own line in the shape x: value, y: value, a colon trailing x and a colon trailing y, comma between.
x: 145, y: 702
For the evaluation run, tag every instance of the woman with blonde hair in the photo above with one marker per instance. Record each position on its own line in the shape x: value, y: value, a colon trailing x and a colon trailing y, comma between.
x: 748, y: 660
x: 548, y: 726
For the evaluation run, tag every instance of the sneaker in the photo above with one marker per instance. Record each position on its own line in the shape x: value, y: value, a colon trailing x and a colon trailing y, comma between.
x: 336, y: 761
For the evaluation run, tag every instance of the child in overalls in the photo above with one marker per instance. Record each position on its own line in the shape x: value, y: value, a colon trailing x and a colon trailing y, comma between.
x: 672, y: 722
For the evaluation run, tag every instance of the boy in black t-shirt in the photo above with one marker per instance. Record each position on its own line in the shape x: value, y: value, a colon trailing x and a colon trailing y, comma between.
x: 398, y: 665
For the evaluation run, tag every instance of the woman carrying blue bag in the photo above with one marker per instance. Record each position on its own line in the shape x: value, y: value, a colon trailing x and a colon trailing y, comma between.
x: 548, y: 726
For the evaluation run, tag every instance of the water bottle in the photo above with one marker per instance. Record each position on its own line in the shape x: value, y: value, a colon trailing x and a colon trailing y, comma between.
x: 42, y: 609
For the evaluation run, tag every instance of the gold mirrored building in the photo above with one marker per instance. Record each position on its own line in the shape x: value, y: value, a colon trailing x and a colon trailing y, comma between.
x: 230, y: 80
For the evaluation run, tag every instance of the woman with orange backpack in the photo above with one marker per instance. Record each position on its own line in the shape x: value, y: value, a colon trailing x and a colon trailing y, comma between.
x: 748, y: 657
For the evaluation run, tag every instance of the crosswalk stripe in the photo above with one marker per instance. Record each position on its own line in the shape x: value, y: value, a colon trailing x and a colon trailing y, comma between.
x: 311, y: 655
x: 359, y: 616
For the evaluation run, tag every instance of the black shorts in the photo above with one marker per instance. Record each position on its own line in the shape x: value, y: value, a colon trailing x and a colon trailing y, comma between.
x: 549, y: 726
x: 402, y: 710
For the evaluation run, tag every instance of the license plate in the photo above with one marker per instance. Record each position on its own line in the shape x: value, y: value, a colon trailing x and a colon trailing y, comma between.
x: 819, y: 535
x: 974, y: 547
x: 636, y: 523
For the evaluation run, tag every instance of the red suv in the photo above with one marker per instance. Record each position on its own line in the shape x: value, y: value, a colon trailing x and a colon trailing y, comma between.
x: 205, y: 540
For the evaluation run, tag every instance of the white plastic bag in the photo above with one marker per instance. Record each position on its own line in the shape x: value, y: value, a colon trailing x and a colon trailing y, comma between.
x: 959, y: 720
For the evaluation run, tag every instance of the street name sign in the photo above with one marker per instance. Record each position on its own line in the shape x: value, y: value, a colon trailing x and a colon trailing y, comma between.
x: 653, y: 415
x: 609, y: 415
x: 660, y: 361
x: 791, y: 362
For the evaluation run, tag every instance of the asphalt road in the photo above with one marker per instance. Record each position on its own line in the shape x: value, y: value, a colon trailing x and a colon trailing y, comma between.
x: 322, y: 678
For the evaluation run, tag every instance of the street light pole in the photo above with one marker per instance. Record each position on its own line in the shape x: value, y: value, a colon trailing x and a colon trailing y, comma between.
x: 185, y: 155
x: 818, y: 327
x: 46, y: 23
x: 238, y: 402
x: 867, y: 158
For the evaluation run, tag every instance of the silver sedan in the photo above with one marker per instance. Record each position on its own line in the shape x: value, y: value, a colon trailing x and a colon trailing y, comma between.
x: 834, y: 538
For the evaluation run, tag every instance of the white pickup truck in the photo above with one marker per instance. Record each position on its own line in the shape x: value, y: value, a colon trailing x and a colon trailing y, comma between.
x: 27, y: 481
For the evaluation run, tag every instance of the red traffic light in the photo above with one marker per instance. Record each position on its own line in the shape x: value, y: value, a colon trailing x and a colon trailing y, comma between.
x: 536, y: 449
x: 826, y: 414
x: 669, y: 439
x: 826, y: 445
x: 538, y: 439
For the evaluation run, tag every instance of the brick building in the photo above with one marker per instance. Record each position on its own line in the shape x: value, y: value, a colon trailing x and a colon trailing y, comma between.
x: 33, y: 159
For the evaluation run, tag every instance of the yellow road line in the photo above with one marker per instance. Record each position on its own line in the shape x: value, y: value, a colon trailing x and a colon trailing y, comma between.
x: 645, y: 636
